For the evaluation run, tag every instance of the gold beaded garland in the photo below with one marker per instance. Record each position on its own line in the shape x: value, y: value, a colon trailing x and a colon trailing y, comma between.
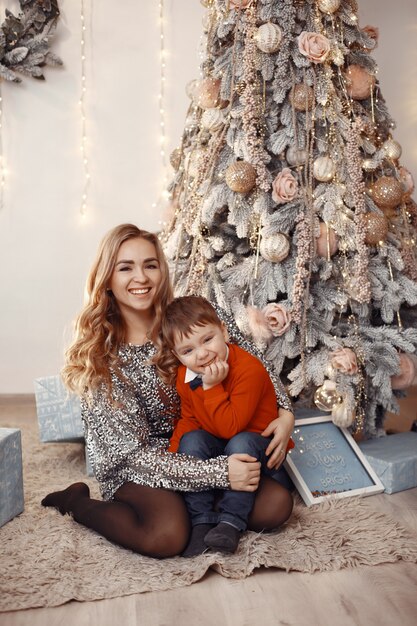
x: 268, y: 37
x: 376, y: 228
x: 241, y: 177
x: 302, y: 97
x: 274, y: 248
x: 328, y: 6
x: 387, y: 192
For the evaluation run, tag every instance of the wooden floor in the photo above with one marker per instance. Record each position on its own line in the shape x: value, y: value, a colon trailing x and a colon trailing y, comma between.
x: 385, y: 595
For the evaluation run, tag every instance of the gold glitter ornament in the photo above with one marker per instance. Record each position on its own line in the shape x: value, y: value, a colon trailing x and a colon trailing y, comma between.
x: 207, y: 94
x: 327, y: 396
x: 392, y: 149
x: 324, y: 168
x: 387, y: 192
x: 268, y: 37
x: 274, y: 248
x: 376, y: 228
x: 212, y: 119
x: 302, y: 97
x: 295, y: 156
x: 328, y: 6
x: 241, y: 177
x: 175, y: 158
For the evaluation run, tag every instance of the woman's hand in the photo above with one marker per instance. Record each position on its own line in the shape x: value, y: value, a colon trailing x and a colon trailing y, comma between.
x: 281, y: 429
x: 244, y: 472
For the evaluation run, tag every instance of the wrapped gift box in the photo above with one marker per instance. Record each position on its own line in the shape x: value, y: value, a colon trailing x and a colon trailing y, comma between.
x: 59, y: 414
x: 11, y: 476
x: 394, y: 459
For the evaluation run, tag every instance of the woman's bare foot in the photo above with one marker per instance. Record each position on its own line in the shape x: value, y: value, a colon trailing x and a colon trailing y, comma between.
x: 63, y: 500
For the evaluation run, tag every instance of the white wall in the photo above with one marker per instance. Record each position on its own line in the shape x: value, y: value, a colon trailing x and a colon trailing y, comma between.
x: 45, y: 246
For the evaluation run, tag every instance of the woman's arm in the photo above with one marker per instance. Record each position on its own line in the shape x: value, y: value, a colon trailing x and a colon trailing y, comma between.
x: 123, y: 450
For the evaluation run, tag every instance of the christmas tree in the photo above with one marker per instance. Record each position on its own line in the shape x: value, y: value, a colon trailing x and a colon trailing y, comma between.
x: 290, y: 207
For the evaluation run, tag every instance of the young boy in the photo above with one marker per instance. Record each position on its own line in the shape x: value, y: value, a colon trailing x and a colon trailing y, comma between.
x: 227, y: 400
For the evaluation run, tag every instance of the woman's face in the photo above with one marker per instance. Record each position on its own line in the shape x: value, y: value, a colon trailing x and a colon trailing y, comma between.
x: 136, y: 276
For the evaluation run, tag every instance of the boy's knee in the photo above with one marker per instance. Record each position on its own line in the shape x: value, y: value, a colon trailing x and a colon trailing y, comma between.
x: 245, y: 442
x: 193, y: 443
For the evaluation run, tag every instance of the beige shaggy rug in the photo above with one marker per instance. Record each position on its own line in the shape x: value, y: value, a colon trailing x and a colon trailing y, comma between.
x: 47, y: 559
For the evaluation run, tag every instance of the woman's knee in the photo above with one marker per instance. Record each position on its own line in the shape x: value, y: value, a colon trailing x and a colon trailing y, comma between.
x: 272, y: 508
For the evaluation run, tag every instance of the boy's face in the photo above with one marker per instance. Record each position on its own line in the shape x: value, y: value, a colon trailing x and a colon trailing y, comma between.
x: 204, y: 345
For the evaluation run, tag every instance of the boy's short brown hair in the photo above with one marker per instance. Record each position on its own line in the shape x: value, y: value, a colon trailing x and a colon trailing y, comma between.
x: 179, y: 317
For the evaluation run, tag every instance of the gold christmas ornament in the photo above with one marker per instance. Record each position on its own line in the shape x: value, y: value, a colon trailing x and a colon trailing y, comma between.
x: 324, y: 168
x: 241, y: 176
x: 302, y: 97
x: 392, y: 149
x: 341, y: 416
x: 207, y: 93
x: 326, y: 242
x: 359, y: 82
x: 274, y: 248
x: 175, y: 158
x: 295, y: 156
x: 387, y: 192
x: 328, y: 6
x: 376, y: 228
x: 268, y: 37
x: 212, y: 119
x: 327, y: 397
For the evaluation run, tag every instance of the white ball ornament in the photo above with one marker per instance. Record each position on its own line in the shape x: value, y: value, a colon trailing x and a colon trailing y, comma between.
x: 268, y: 37
x: 328, y: 6
x: 295, y: 156
x: 274, y: 248
x: 392, y: 149
x: 212, y: 119
x: 324, y: 169
x: 342, y: 416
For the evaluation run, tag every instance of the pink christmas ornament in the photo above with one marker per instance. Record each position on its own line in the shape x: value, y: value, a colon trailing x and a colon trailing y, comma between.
x: 408, y: 372
x: 373, y: 33
x: 277, y: 317
x: 314, y: 46
x: 284, y: 187
x: 406, y: 180
x: 258, y: 325
x: 359, y: 82
x: 326, y: 242
x: 344, y: 360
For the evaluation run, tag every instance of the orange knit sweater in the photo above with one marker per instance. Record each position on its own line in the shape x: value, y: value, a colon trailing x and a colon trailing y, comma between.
x: 244, y: 401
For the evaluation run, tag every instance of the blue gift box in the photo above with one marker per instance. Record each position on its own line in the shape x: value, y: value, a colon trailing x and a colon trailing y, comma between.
x: 394, y: 459
x: 11, y: 476
x: 59, y: 414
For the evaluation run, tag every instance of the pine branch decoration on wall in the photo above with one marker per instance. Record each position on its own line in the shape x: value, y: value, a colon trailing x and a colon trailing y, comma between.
x: 24, y: 40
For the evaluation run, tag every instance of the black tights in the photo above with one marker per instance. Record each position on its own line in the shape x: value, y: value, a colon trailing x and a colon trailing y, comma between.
x: 155, y: 522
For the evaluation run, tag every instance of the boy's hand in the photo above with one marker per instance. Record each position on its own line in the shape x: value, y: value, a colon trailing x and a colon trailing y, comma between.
x: 215, y: 374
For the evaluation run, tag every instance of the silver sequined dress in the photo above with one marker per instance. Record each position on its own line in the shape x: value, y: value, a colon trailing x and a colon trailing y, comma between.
x: 127, y: 438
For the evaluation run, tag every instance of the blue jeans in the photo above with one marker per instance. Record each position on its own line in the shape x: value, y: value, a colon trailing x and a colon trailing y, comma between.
x: 234, y: 506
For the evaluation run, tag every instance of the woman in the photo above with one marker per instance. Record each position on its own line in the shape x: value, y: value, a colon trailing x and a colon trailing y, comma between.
x: 128, y: 412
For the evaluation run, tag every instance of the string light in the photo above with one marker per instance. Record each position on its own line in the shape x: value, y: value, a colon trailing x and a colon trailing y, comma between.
x: 161, y: 101
x: 2, y: 168
x: 84, y: 153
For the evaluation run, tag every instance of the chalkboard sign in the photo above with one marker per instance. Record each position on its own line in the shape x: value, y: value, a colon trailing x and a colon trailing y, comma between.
x: 326, y: 462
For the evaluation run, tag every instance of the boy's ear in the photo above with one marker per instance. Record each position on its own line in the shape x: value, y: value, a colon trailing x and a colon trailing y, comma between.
x: 225, y: 332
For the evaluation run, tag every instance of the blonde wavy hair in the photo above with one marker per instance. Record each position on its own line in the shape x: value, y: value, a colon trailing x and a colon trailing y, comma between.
x: 100, y: 328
